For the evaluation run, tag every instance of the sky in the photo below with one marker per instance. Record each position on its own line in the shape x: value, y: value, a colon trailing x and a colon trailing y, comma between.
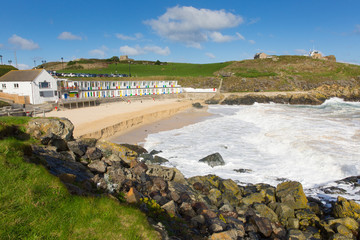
x: 200, y: 31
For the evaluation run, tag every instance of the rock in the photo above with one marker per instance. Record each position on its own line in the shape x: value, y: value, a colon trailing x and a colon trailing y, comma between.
x: 216, y: 225
x: 339, y: 228
x: 168, y: 174
x: 346, y: 208
x: 198, y: 221
x: 263, y: 224
x: 187, y: 211
x: 114, y: 160
x: 213, y: 160
x: 293, y: 223
x: 295, y: 234
x: 348, y: 222
x: 159, y: 160
x: 214, y: 196
x: 253, y: 198
x: 284, y: 212
x: 123, y: 151
x: 116, y: 177
x: 60, y: 144
x: 243, y: 170
x: 231, y: 234
x: 292, y: 194
x: 197, y: 105
x: 77, y: 147
x: 149, y: 159
x: 139, y: 168
x: 60, y: 128
x: 266, y: 212
x: 159, y: 184
x: 93, y: 153
x: 133, y: 196
x: 170, y: 208
x: 306, y: 218
x: 97, y: 166
x: 338, y: 236
x: 215, y: 99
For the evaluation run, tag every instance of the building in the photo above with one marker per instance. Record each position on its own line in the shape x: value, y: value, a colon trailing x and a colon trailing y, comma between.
x: 261, y: 56
x: 82, y: 89
x: 37, y: 84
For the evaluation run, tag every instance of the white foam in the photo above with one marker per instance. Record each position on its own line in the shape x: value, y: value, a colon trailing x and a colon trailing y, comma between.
x: 315, y: 145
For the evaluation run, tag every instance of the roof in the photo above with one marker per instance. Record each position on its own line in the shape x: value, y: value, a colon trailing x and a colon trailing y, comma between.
x: 21, y: 75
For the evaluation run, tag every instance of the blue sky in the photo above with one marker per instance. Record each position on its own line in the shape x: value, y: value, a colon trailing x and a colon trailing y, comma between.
x: 199, y: 31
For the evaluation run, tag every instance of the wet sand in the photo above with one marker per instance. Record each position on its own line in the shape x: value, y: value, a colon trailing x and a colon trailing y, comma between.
x: 179, y: 120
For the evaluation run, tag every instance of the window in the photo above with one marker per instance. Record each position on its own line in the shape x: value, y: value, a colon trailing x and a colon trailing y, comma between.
x: 16, y: 85
x: 46, y: 93
x: 44, y: 84
x: 3, y: 86
x: 55, y: 93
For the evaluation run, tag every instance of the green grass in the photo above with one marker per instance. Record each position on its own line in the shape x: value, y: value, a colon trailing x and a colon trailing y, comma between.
x: 169, y: 69
x: 36, y: 205
x: 5, y: 69
x: 253, y: 73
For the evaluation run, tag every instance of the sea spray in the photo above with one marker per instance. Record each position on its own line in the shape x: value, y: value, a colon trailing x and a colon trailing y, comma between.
x: 315, y: 145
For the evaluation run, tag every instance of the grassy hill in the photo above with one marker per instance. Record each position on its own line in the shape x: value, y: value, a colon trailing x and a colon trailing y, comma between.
x: 281, y: 73
x: 6, y: 68
x: 36, y: 205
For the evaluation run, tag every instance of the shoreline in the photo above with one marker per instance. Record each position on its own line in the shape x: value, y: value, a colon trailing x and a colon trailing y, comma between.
x: 107, y: 119
x: 181, y: 119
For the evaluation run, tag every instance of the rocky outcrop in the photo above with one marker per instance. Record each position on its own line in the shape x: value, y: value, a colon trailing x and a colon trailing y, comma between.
x: 207, y: 207
x: 213, y: 160
x: 314, y: 97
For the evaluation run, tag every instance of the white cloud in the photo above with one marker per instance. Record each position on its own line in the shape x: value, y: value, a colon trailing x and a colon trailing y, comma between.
x: 254, y: 20
x: 68, y: 36
x: 125, y: 37
x: 158, y: 50
x: 23, y: 43
x: 22, y: 66
x: 137, y: 50
x: 210, y: 55
x: 100, y: 52
x: 251, y: 41
x: 132, y: 51
x: 193, y: 26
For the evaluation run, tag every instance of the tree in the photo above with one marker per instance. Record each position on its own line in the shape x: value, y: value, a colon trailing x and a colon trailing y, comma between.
x: 157, y: 62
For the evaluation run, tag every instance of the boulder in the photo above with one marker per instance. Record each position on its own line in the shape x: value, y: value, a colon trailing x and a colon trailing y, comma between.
x: 77, y: 147
x: 67, y: 178
x: 97, y: 166
x: 253, y: 198
x: 60, y: 128
x: 226, y: 235
x: 295, y: 234
x: 292, y: 194
x: 263, y: 224
x: 348, y: 222
x: 284, y: 212
x: 346, y: 208
x: 93, y: 153
x: 124, y: 151
x: 60, y: 144
x: 266, y: 212
x: 133, y: 196
x: 170, y: 208
x: 213, y: 160
x: 168, y: 174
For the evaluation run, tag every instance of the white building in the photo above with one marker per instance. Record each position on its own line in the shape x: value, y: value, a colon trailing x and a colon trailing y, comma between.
x: 38, y: 84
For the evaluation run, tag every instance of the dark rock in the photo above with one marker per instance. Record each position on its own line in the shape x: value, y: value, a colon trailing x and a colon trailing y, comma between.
x: 88, y: 142
x: 198, y: 221
x: 136, y: 148
x: 93, y: 153
x: 159, y: 184
x: 263, y: 224
x: 213, y: 160
x: 243, y: 170
x: 77, y: 147
x: 117, y: 178
x: 60, y: 144
x: 198, y: 186
x: 153, y: 152
x: 187, y: 211
x: 216, y: 225
x: 197, y: 105
x: 199, y: 207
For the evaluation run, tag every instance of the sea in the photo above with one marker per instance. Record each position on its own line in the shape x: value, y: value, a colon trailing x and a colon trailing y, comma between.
x: 271, y: 143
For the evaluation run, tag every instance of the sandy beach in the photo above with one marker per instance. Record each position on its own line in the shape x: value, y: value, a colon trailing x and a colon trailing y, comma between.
x: 105, y: 120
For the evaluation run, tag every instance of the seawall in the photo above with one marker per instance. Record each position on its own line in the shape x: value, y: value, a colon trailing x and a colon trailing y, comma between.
x: 129, y: 122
